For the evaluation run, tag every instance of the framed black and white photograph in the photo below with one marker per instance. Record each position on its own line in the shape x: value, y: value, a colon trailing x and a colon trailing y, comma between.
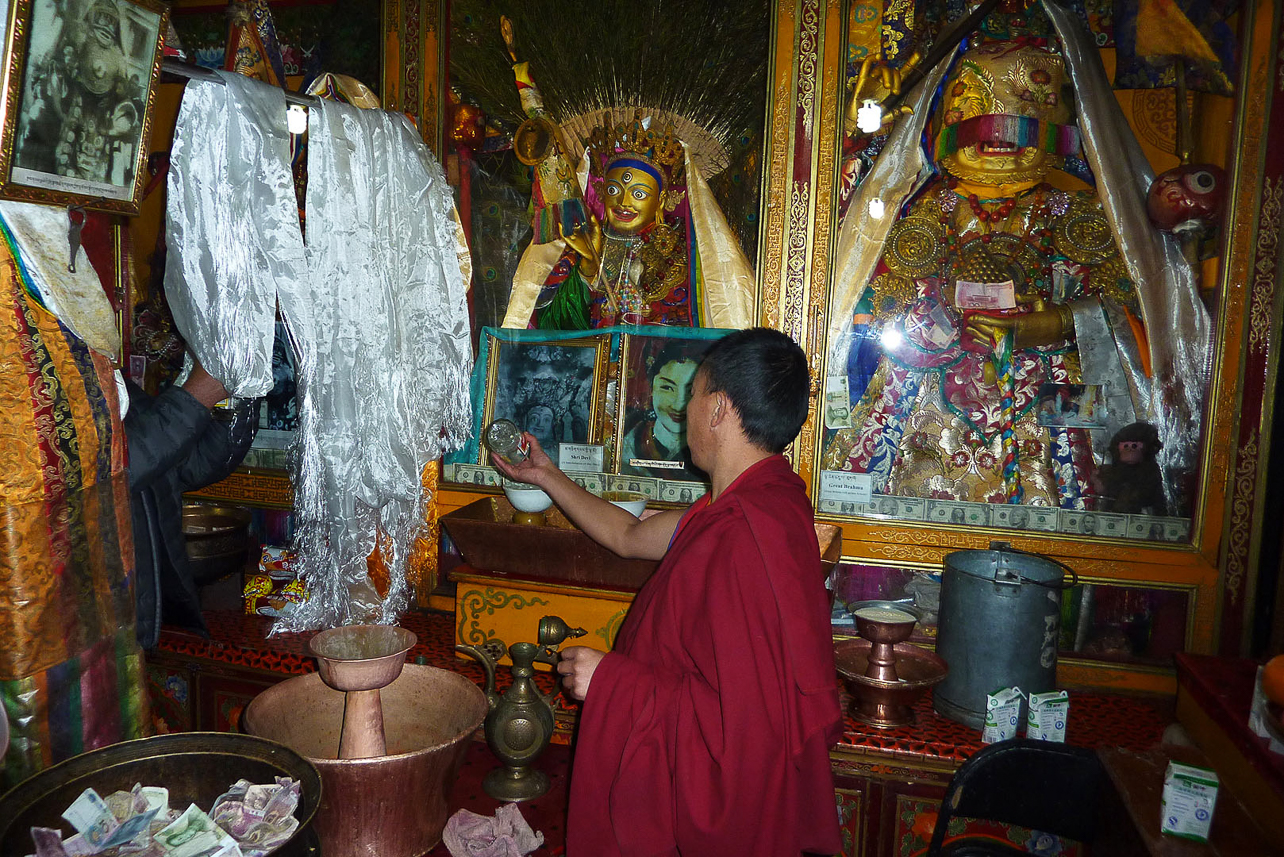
x: 656, y: 376
x: 78, y: 104
x: 550, y: 389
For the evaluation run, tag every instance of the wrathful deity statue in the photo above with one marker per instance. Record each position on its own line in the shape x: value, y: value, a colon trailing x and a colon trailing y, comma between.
x: 631, y: 236
x: 992, y: 290
x: 84, y: 98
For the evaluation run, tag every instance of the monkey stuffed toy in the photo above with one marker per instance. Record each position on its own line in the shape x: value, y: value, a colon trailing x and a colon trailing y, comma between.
x: 1132, y: 482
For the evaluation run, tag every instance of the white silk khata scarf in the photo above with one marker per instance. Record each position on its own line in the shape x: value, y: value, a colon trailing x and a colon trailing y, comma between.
x: 376, y: 310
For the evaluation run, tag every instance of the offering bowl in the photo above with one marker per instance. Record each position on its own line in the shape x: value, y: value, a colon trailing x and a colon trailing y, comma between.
x: 630, y: 501
x: 529, y: 503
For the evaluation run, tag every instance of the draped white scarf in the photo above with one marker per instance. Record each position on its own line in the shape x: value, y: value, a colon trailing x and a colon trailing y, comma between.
x: 375, y: 307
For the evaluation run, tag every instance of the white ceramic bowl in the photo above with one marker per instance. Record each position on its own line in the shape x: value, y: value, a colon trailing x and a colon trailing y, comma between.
x: 628, y: 500
x: 527, y: 498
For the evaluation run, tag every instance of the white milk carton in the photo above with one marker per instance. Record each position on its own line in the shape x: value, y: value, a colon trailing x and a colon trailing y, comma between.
x: 1002, y: 715
x: 1190, y: 794
x: 1048, y: 715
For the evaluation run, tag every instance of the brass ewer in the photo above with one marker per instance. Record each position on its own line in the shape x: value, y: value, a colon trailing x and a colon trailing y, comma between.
x: 520, y: 722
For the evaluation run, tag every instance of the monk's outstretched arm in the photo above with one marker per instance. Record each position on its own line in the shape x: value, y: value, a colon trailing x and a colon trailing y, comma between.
x: 607, y: 524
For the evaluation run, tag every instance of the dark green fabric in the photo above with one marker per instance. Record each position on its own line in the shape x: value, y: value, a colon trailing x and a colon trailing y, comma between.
x: 569, y: 309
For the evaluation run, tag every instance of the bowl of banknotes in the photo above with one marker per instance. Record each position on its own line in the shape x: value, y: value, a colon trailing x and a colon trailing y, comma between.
x: 181, y: 795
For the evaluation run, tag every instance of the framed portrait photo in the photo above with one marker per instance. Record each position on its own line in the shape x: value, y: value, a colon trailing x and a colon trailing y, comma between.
x: 656, y: 375
x: 551, y: 389
x: 77, y: 105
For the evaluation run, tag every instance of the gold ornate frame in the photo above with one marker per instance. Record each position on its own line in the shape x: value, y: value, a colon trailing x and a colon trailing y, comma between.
x: 41, y: 186
x: 796, y: 273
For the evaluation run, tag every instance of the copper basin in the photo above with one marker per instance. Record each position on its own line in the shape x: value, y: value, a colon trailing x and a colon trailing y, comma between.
x: 887, y: 704
x: 489, y: 540
x: 386, y: 806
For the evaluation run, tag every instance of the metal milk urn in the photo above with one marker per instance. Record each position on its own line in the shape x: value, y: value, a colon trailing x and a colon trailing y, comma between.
x: 520, y: 722
x: 1000, y: 621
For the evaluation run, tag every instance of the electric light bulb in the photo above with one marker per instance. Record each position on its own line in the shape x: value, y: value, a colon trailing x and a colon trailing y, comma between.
x: 296, y: 118
x: 869, y: 116
x: 876, y: 208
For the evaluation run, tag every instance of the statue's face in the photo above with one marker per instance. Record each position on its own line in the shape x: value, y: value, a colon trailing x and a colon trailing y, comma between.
x: 632, y: 198
x: 997, y: 163
x: 1000, y: 79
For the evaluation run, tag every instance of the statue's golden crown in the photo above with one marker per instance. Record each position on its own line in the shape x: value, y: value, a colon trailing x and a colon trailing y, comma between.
x: 632, y: 138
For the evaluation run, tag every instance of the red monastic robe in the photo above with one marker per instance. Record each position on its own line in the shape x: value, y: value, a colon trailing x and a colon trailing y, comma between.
x: 707, y: 730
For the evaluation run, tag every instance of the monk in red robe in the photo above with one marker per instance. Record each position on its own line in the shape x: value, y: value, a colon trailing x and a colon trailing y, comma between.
x: 706, y: 731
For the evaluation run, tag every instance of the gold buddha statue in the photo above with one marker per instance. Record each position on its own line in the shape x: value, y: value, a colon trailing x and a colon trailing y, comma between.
x: 993, y: 291
x: 626, y: 229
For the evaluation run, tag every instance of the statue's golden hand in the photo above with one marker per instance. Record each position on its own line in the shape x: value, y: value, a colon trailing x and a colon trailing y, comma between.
x: 1043, y: 325
x: 587, y: 242
x: 874, y: 86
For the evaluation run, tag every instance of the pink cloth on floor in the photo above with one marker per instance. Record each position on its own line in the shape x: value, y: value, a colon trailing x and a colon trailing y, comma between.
x: 507, y: 834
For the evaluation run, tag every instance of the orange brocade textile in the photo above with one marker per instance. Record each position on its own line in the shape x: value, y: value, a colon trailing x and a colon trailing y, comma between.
x: 66, y: 547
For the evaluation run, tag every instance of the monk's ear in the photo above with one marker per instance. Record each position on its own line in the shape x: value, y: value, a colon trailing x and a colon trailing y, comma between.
x: 721, y: 408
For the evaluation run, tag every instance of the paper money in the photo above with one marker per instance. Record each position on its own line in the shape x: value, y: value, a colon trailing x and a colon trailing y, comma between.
x: 48, y: 842
x: 682, y: 492
x: 474, y: 474
x: 156, y: 797
x: 594, y: 483
x: 193, y: 834
x: 636, y: 484
x: 91, y: 818
x: 838, y: 412
x: 992, y: 296
x: 131, y: 828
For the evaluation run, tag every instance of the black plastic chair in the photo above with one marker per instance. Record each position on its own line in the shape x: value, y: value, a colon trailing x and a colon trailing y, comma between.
x: 1041, y: 785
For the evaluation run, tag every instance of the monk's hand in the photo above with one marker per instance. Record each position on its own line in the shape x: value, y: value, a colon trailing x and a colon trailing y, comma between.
x: 576, y: 667
x: 534, y: 469
x: 586, y: 241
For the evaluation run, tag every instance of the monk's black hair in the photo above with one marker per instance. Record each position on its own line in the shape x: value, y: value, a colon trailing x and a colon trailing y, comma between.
x: 764, y: 374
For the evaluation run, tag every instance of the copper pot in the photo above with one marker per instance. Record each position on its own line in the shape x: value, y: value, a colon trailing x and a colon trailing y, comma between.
x: 384, y: 806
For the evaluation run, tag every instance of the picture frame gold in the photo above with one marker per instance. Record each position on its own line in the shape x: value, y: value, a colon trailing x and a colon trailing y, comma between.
x: 552, y: 387
x: 79, y: 90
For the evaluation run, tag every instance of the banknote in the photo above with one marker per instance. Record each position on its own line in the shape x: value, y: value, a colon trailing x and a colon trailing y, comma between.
x: 976, y: 514
x: 682, y: 492
x: 48, y: 842
x: 91, y: 817
x: 993, y: 296
x: 594, y: 483
x: 1071, y: 521
x: 1111, y: 524
x: 1044, y: 519
x: 911, y: 508
x: 475, y: 474
x: 946, y: 511
x: 131, y: 828
x: 637, y: 484
x: 837, y: 402
x: 1176, y: 529
x: 194, y: 833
